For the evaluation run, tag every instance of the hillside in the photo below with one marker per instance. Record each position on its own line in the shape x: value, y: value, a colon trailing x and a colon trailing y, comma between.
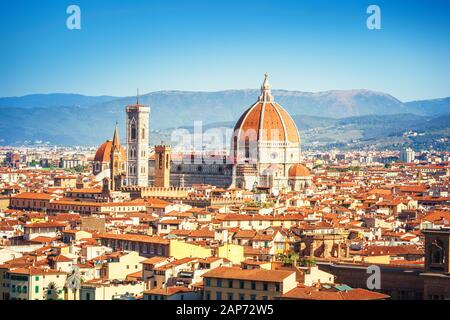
x: 71, y: 119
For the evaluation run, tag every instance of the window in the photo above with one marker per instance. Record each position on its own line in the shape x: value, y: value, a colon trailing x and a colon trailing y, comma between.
x: 207, y: 282
x: 160, y: 162
x: 253, y: 285
x: 88, y: 296
x: 133, y: 131
x: 277, y: 287
x: 19, y: 289
x: 265, y: 298
x: 24, y: 289
x: 253, y: 297
x: 437, y: 252
x: 36, y: 278
x: 230, y: 283
x: 247, y: 147
x: 207, y: 295
x: 219, y: 295
x: 230, y: 295
x: 265, y: 286
x: 241, y: 296
x: 241, y: 284
x: 219, y: 283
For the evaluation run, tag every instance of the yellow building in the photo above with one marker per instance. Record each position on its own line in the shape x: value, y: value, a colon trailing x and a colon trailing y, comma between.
x: 229, y: 283
x: 232, y: 252
x: 34, y: 284
x: 121, y: 264
x: 180, y: 250
x: 108, y: 290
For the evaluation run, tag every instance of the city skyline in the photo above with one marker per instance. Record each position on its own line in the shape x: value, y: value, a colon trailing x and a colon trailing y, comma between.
x: 121, y: 47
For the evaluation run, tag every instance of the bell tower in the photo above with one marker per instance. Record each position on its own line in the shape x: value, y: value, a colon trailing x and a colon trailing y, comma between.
x: 137, y: 144
x: 162, y: 166
x: 437, y: 250
x: 117, y: 163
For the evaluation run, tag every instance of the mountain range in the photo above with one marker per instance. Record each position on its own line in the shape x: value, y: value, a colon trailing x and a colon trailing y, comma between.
x: 323, y: 118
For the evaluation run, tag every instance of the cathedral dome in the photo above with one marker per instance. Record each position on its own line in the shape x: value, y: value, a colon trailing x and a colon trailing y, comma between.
x: 266, y: 120
x: 103, y: 153
x: 298, y: 170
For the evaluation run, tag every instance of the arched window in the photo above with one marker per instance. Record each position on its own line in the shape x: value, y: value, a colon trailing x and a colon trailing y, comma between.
x: 143, y: 133
x: 247, y: 147
x: 437, y: 252
x: 133, y: 131
x: 160, y: 160
x: 167, y: 161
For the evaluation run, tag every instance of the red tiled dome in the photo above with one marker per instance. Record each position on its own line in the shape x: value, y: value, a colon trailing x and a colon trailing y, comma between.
x: 299, y: 170
x: 266, y: 120
x: 103, y: 153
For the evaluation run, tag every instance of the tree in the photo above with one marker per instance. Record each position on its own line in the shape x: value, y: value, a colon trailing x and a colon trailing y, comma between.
x: 308, y: 262
x: 290, y: 259
x: 51, y: 292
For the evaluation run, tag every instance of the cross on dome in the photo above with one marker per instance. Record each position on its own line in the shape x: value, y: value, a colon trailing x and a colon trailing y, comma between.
x: 266, y: 91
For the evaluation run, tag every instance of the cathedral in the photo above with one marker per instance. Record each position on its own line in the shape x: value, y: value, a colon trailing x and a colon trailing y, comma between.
x: 110, y: 163
x: 265, y: 154
x: 266, y: 148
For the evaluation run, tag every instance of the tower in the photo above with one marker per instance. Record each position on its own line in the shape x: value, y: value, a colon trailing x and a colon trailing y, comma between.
x: 265, y: 144
x: 117, y: 163
x: 137, y: 144
x: 162, y: 166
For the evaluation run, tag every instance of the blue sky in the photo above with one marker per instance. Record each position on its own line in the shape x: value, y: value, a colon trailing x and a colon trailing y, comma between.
x: 210, y: 45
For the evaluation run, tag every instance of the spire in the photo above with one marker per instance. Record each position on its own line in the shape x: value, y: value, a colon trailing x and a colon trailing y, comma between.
x: 137, y: 96
x: 266, y: 91
x: 115, y: 142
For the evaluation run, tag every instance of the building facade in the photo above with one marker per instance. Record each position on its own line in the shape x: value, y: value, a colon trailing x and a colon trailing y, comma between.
x: 137, y: 144
x: 162, y: 166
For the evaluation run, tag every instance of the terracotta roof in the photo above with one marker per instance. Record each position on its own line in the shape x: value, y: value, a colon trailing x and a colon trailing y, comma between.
x: 134, y: 237
x: 299, y: 170
x: 267, y: 120
x: 168, y: 291
x: 62, y: 258
x: 312, y: 293
x: 33, y: 196
x: 35, y: 271
x: 245, y: 274
x: 44, y: 225
x: 103, y: 153
x: 154, y: 260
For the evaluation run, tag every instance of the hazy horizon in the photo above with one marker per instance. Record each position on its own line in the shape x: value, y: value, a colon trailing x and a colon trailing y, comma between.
x: 310, y: 46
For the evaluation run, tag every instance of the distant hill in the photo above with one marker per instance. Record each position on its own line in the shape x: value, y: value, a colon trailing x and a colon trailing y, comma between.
x: 52, y: 100
x: 72, y: 119
x: 429, y: 107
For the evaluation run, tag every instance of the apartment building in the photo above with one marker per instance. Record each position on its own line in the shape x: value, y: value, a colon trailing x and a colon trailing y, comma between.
x: 33, y: 284
x: 230, y: 283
